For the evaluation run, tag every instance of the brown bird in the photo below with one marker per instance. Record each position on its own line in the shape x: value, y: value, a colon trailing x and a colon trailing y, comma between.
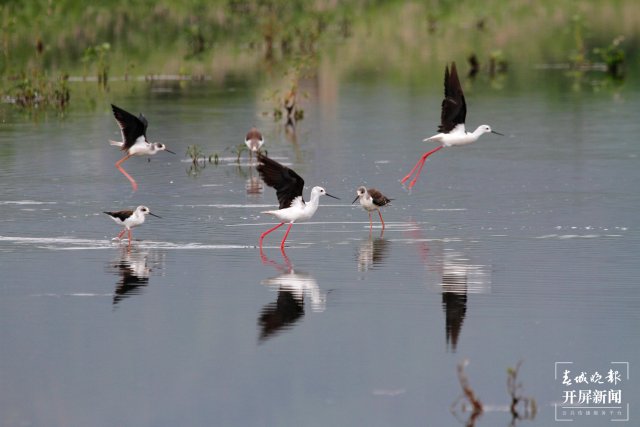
x: 371, y: 200
x: 254, y: 141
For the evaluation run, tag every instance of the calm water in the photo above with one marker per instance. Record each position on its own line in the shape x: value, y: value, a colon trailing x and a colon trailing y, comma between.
x: 521, y: 247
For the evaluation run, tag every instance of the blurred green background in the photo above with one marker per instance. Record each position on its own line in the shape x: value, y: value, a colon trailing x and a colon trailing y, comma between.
x: 46, y: 42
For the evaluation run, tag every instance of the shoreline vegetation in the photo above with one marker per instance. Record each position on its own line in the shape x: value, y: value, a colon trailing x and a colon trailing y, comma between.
x: 46, y: 44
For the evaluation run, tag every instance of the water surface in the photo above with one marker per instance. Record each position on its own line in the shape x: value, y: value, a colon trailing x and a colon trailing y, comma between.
x: 515, y: 248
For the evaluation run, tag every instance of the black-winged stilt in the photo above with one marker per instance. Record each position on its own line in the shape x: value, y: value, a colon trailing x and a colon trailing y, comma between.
x: 371, y: 200
x: 134, y: 140
x: 288, y: 185
x: 451, y: 130
x: 130, y: 219
x: 254, y: 141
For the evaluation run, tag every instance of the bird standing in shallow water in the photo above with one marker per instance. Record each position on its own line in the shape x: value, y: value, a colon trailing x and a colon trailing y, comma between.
x: 254, y: 141
x: 134, y: 140
x: 130, y: 219
x: 371, y: 200
x: 288, y: 185
x: 451, y: 130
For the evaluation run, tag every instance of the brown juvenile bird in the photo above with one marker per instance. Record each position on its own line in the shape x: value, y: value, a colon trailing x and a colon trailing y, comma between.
x: 371, y: 200
x: 254, y: 141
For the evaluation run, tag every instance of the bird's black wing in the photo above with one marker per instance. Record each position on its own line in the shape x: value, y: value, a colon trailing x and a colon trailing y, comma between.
x: 378, y: 198
x: 121, y: 215
x: 145, y: 123
x: 287, y: 183
x: 454, y: 107
x: 131, y: 126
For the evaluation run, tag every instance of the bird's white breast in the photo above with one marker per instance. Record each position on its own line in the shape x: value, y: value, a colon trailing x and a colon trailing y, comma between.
x: 367, y: 203
x: 134, y: 220
x: 298, y: 212
x: 141, y: 147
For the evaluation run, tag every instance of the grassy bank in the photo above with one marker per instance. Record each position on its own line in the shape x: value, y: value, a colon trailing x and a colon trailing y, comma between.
x: 44, y: 40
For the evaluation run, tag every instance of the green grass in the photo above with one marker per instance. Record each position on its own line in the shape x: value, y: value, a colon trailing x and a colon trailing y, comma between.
x: 359, y: 38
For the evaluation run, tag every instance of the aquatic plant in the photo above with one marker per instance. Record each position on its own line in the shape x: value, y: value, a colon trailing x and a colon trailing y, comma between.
x: 195, y: 40
x: 468, y: 396
x: 37, y: 90
x: 285, y: 102
x: 199, y: 160
x: 99, y: 55
x: 194, y: 152
x: 241, y: 148
x: 613, y: 56
x: 521, y: 407
x: 578, y: 55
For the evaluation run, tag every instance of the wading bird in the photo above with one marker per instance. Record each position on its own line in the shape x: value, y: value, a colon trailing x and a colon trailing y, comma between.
x: 451, y: 130
x: 288, y: 185
x: 130, y: 219
x: 371, y: 200
x: 134, y: 139
x: 254, y: 141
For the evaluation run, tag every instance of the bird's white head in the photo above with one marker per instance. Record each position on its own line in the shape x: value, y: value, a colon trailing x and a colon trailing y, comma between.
x: 485, y: 129
x: 143, y: 210
x: 360, y: 192
x: 319, y: 191
x: 156, y: 146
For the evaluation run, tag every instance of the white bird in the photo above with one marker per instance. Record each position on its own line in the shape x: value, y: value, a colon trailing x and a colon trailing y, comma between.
x: 129, y: 219
x: 288, y: 185
x: 451, y: 130
x: 254, y: 141
x: 134, y: 140
x: 371, y: 200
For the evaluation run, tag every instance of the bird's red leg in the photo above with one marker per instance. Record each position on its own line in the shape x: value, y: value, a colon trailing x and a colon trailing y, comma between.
x: 131, y: 180
x: 287, y: 261
x: 411, y: 172
x: 422, y: 161
x: 262, y: 236
x: 121, y: 233
x: 130, y: 238
x: 285, y: 236
x: 381, y: 220
x: 370, y: 223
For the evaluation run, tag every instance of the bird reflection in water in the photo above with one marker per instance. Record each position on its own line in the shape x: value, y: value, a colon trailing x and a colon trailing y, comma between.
x: 253, y: 184
x: 133, y: 270
x: 372, y: 253
x: 458, y: 278
x: 454, y: 300
x: 292, y: 286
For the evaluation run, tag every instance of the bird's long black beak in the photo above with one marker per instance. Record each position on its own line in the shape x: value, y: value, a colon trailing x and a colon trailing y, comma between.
x: 327, y: 194
x: 169, y: 151
x: 155, y: 215
x: 497, y: 133
x: 356, y: 199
